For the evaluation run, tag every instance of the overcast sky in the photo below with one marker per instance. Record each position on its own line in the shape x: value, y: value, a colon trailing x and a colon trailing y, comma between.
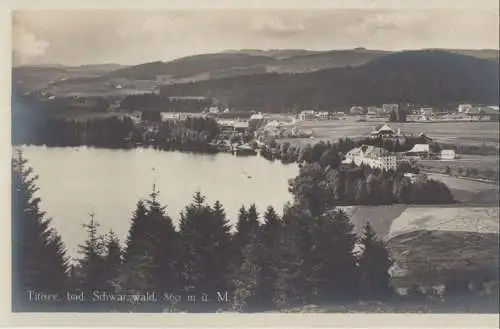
x: 133, y: 37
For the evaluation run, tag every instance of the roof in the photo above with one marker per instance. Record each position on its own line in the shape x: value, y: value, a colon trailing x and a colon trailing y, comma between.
x: 257, y: 116
x: 419, y: 148
x: 243, y: 124
x: 383, y: 127
x: 367, y: 151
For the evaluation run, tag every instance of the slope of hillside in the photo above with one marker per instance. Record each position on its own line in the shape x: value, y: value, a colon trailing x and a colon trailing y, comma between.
x: 190, y: 66
x: 434, y: 257
x: 40, y: 76
x: 431, y: 244
x: 435, y: 78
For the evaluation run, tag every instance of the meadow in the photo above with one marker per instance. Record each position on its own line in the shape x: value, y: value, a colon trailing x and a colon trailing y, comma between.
x: 469, y: 133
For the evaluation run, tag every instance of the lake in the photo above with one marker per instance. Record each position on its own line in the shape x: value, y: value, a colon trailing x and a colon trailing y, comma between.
x: 75, y: 181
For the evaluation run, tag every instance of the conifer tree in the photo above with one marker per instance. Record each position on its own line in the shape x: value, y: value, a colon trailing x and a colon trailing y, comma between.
x: 92, y: 264
x: 246, y: 227
x: 205, y: 245
x: 136, y: 230
x: 58, y: 263
x: 38, y: 254
x: 151, y: 261
x: 164, y: 246
x: 248, y: 279
x: 374, y: 264
x: 333, y: 271
x: 292, y: 286
x: 270, y: 236
x: 113, y: 260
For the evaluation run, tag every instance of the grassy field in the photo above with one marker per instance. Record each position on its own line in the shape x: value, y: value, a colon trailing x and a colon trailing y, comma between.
x: 461, y: 219
x: 429, y: 244
x: 481, y: 162
x: 433, y: 257
x: 473, y: 133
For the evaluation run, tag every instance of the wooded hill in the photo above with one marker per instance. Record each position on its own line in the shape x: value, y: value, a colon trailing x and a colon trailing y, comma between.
x: 436, y: 78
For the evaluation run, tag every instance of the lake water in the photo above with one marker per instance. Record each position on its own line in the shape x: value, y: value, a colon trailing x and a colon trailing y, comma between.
x: 74, y: 181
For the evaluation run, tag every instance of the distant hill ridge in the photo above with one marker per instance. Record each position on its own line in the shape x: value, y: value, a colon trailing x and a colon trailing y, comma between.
x: 279, y: 79
x: 433, y: 77
x: 285, y: 60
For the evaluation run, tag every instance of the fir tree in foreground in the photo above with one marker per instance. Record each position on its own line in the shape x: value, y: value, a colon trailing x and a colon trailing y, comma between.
x: 206, y: 247
x: 150, y: 257
x: 113, y: 260
x: 333, y: 274
x: 39, y: 261
x: 374, y: 265
x: 92, y: 263
x: 248, y: 293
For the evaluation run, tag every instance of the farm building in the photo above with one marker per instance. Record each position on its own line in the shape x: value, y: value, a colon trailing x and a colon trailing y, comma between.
x: 382, y: 130
x: 447, y: 155
x: 419, y: 150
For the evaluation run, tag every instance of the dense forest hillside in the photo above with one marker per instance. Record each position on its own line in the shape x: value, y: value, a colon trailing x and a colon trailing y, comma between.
x: 436, y: 78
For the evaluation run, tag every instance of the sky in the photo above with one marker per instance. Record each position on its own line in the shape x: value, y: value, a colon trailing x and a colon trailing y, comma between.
x: 132, y: 37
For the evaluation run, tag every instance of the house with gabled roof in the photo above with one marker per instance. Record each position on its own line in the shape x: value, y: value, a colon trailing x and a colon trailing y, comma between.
x: 382, y: 130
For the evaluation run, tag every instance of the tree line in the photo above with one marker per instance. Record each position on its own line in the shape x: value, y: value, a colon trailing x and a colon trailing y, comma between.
x: 159, y: 103
x: 192, y: 134
x: 321, y: 151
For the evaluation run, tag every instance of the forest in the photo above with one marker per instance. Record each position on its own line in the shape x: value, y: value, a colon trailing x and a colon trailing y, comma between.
x: 308, y: 255
x: 437, y: 78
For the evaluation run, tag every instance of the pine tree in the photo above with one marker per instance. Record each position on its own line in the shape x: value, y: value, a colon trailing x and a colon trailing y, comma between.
x: 292, y: 286
x: 135, y: 232
x: 113, y: 260
x: 270, y: 236
x: 248, y: 282
x: 58, y: 262
x: 289, y: 287
x: 205, y: 245
x: 164, y: 246
x: 92, y: 264
x: 38, y: 254
x: 333, y: 272
x: 374, y: 264
x: 151, y: 260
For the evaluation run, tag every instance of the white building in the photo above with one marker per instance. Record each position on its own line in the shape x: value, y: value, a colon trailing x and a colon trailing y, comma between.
x: 323, y: 115
x: 464, y: 108
x: 307, y: 115
x: 257, y: 116
x: 213, y: 110
x: 388, y: 108
x: 447, y: 155
x: 426, y: 111
x: 372, y: 156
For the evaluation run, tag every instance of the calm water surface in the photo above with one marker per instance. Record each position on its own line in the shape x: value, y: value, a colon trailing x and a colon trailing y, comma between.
x: 73, y: 181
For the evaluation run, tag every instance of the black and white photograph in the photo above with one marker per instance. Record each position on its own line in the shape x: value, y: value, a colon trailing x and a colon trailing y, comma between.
x: 255, y: 160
